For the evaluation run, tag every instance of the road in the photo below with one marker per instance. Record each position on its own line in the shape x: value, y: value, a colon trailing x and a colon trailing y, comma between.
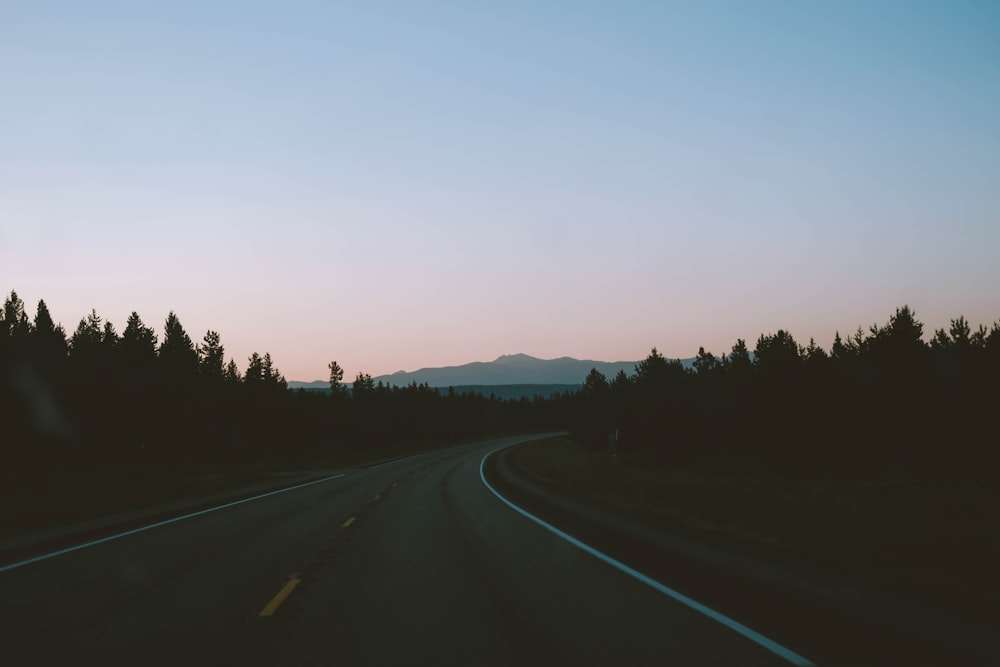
x: 412, y: 562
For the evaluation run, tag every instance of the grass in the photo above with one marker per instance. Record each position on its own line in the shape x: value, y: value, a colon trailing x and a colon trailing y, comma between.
x: 935, y: 536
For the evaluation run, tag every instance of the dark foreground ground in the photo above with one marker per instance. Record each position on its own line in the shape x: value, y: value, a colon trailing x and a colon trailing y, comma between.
x: 410, y: 562
x: 902, y: 570
x: 414, y: 561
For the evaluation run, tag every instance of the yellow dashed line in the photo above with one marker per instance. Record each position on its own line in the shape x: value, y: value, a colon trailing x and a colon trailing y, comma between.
x: 347, y: 524
x: 275, y: 602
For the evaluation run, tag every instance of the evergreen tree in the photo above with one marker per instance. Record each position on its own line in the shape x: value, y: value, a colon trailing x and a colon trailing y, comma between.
x: 232, y: 374
x: 48, y: 341
x: 705, y: 362
x: 254, y: 375
x: 777, y: 354
x: 109, y: 337
x: 363, y: 385
x: 272, y: 377
x: 813, y: 354
x: 14, y: 324
x: 86, y: 340
x: 177, y: 353
x: 212, y: 356
x: 840, y: 352
x: 336, y: 378
x: 738, y: 362
x: 595, y: 385
x: 138, y: 343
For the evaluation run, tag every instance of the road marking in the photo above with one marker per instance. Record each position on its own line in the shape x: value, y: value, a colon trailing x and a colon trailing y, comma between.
x: 377, y: 497
x: 752, y: 635
x: 347, y: 524
x: 276, y: 601
x: 102, y: 540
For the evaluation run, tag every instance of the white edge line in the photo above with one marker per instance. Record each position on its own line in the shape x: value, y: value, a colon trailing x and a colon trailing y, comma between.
x: 736, y: 626
x: 109, y: 538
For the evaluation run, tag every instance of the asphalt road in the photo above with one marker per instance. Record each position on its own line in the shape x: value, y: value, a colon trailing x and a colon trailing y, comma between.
x: 411, y: 562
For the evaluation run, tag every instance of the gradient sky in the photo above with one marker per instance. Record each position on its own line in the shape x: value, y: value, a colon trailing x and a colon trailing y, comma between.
x: 398, y: 185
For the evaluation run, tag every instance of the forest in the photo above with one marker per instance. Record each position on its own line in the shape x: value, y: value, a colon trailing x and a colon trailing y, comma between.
x: 880, y: 401
x: 99, y: 396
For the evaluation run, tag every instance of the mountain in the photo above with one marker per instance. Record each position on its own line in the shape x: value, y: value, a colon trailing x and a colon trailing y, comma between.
x: 508, y: 369
x: 314, y: 385
x: 512, y: 369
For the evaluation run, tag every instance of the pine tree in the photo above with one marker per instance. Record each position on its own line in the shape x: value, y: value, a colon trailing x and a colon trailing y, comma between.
x: 705, y: 362
x: 48, y: 341
x: 14, y: 324
x: 138, y: 343
x: 177, y: 353
x: 86, y: 340
x: 232, y: 373
x: 212, y: 356
x: 336, y: 378
x: 254, y: 375
x: 363, y: 385
x: 272, y: 377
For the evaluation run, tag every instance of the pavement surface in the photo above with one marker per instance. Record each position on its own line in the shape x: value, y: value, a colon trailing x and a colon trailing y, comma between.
x: 415, y: 561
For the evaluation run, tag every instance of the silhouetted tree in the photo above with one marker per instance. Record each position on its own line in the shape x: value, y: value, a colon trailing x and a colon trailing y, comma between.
x: 363, y: 385
x: 594, y: 419
x: 777, y: 355
x: 254, y: 374
x: 705, y: 362
x: 86, y: 340
x: 232, y: 373
x: 14, y: 324
x: 138, y: 343
x: 177, y: 353
x: 212, y: 356
x: 336, y: 378
x: 48, y: 343
x: 271, y: 376
x: 738, y: 363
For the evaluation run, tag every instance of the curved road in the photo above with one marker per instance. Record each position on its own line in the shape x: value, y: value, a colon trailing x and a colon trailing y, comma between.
x: 412, y: 562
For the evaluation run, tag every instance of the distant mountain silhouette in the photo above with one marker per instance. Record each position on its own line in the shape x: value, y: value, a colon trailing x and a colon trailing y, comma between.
x: 315, y: 384
x: 508, y: 369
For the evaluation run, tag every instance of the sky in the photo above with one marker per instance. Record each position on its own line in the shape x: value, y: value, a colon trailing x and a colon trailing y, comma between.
x: 398, y: 185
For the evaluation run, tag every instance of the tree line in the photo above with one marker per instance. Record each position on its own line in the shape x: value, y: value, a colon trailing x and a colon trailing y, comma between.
x: 881, y: 401
x: 104, y: 396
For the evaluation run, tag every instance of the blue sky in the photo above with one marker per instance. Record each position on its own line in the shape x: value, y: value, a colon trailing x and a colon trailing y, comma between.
x: 398, y: 185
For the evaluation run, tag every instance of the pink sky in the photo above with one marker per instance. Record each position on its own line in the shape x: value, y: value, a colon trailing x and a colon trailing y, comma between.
x: 433, y: 188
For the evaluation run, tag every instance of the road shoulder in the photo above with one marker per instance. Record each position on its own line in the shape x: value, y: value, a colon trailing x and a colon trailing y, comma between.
x: 828, y: 615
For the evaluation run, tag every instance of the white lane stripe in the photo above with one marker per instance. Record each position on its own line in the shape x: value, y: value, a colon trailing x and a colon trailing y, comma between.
x: 736, y: 626
x: 102, y: 540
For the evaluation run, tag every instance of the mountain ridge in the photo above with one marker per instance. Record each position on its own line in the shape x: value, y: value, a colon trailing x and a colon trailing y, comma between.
x: 507, y: 369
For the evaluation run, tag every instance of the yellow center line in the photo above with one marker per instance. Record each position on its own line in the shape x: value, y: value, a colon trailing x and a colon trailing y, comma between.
x: 347, y: 524
x: 276, y: 601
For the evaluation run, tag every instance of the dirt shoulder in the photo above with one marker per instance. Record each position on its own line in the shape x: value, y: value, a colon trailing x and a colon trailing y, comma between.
x: 731, y: 543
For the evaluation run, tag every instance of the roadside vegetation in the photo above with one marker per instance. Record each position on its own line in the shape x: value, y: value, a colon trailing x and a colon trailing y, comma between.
x: 879, y: 456
x: 933, y: 536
